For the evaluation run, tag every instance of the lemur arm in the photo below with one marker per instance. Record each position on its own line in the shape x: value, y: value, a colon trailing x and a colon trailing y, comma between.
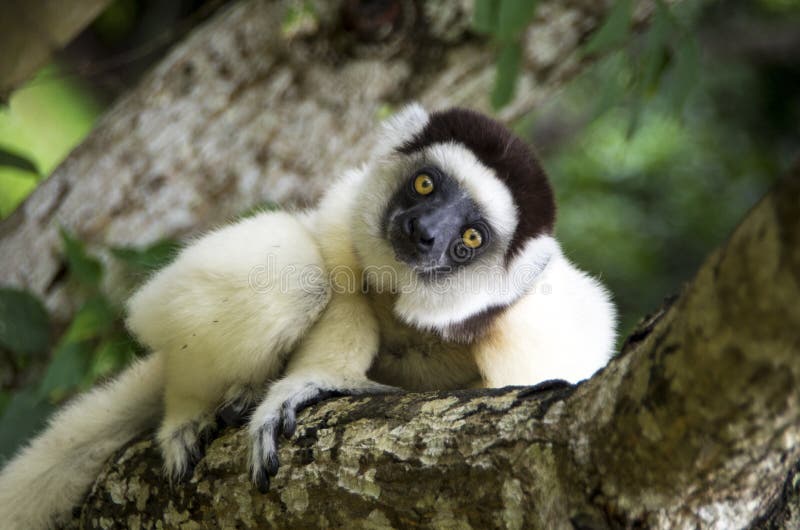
x: 564, y: 328
x: 333, y: 359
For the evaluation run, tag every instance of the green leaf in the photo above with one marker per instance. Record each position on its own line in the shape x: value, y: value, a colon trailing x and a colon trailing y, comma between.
x: 484, y: 17
x: 66, y: 371
x: 514, y: 16
x: 614, y: 31
x: 24, y: 415
x: 94, y: 319
x: 150, y: 258
x: 507, y: 71
x: 265, y: 206
x: 24, y: 323
x: 299, y: 19
x: 15, y: 185
x: 109, y: 357
x: 610, y: 90
x: 85, y: 268
x: 655, y: 56
x: 9, y: 159
x: 5, y: 399
x: 685, y: 72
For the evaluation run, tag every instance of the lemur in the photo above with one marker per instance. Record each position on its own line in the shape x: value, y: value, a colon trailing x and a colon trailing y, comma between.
x: 432, y: 266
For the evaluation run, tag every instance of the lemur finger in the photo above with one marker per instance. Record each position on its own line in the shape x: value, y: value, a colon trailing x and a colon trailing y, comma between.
x: 371, y: 387
x: 300, y: 401
x: 261, y: 480
x: 264, y: 455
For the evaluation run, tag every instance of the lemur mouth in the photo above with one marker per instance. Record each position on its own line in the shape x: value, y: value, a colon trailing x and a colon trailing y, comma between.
x: 422, y: 266
x: 434, y: 275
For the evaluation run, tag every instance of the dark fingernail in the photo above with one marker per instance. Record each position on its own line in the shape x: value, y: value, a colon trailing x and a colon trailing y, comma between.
x: 262, y: 481
x: 186, y: 475
x: 289, y: 426
x: 272, y: 464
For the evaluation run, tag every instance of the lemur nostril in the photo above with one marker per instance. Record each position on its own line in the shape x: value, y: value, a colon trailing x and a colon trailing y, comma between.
x: 424, y: 245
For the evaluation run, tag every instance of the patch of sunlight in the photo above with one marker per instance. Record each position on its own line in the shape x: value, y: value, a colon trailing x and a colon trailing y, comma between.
x: 15, y: 185
x: 45, y: 119
x: 658, y: 138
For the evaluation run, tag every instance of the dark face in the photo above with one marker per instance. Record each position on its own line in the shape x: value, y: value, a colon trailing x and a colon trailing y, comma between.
x: 433, y: 225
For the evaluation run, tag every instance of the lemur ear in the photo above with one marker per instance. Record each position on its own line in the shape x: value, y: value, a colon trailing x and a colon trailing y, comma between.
x: 403, y: 125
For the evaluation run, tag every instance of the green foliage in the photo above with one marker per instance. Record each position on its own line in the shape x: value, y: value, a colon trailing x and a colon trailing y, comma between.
x: 85, y: 268
x: 94, y: 345
x: 13, y: 160
x: 117, y: 20
x: 93, y: 319
x: 299, y: 17
x: 65, y: 372
x: 504, y: 21
x: 614, y: 32
x: 644, y: 209
x: 513, y: 16
x: 43, y: 121
x: 266, y: 206
x: 484, y: 15
x: 507, y: 71
x: 24, y: 324
x: 24, y: 415
x: 666, y: 47
x: 147, y: 259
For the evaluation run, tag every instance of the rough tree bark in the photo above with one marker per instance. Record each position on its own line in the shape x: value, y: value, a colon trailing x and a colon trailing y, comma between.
x: 696, y: 424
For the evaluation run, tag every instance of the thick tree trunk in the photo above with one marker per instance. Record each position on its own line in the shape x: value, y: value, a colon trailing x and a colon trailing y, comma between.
x: 256, y: 106
x: 695, y: 425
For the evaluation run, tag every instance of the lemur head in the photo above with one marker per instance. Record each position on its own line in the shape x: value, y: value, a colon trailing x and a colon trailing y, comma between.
x: 460, y: 211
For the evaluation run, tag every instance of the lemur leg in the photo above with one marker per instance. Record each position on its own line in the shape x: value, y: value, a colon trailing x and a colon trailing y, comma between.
x: 188, y: 426
x: 332, y: 360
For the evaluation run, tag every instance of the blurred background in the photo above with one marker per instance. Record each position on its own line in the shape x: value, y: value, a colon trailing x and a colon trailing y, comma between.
x: 655, y: 152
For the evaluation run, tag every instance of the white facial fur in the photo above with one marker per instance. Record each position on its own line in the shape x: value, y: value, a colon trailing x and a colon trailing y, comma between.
x: 486, y: 282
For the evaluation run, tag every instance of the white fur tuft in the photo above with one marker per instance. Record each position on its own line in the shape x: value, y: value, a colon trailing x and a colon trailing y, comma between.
x: 563, y: 328
x: 402, y: 126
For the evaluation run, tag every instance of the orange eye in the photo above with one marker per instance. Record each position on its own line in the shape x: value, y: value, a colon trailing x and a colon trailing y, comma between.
x: 472, y: 238
x: 423, y: 184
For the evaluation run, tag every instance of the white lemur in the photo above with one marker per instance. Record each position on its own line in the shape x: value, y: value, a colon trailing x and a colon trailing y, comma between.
x: 433, y: 266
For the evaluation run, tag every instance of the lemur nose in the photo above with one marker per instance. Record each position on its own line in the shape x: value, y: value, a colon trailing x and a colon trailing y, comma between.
x: 420, y: 235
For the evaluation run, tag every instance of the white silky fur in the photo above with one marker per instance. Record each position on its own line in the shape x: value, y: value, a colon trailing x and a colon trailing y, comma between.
x: 275, y: 303
x: 562, y: 328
